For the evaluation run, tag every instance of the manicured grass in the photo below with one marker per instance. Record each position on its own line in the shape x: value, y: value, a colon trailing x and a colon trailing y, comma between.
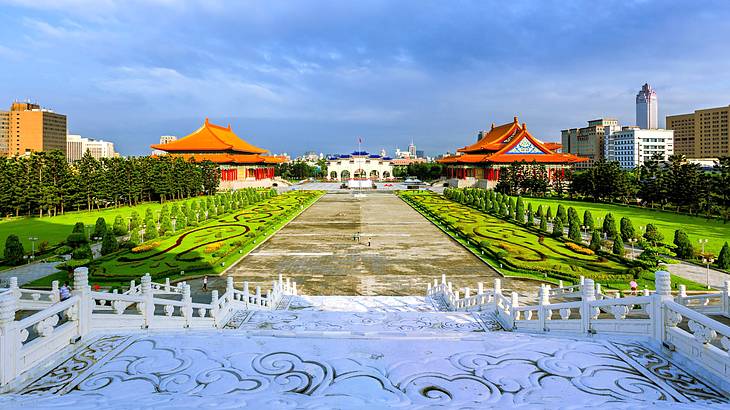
x: 206, y: 249
x: 715, y: 231
x: 55, y: 229
x: 519, y: 249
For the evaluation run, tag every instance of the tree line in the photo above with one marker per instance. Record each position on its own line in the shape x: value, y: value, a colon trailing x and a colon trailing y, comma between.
x: 673, y: 184
x: 45, y: 184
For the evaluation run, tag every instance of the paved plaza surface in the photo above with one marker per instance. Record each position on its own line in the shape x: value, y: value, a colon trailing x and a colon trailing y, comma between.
x: 383, y: 352
x: 406, y: 251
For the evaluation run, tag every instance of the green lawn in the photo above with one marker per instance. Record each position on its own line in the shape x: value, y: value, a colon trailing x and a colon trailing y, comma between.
x: 519, y: 250
x: 206, y: 249
x: 715, y: 231
x: 55, y: 229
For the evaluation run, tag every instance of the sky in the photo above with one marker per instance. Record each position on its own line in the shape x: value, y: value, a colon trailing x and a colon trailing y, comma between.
x: 294, y: 76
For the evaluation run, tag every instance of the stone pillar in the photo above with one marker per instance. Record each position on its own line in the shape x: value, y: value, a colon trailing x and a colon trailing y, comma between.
x: 543, y: 299
x: 663, y: 286
x: 214, y: 308
x: 443, y: 278
x: 229, y: 287
x: 726, y: 298
x: 149, y: 305
x: 515, y: 303
x: 587, y: 313
x: 294, y: 288
x: 13, y: 285
x: 167, y: 284
x: 131, y: 287
x: 55, y: 292
x: 497, y: 286
x: 258, y: 296
x: 187, y: 305
x: 480, y: 288
x: 85, y: 304
x: 682, y: 292
x: 8, y: 338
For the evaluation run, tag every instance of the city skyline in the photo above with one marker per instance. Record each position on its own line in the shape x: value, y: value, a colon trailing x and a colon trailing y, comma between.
x: 279, y: 72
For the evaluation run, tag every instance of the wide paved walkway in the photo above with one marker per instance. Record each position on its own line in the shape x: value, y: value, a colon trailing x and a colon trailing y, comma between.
x: 406, y: 251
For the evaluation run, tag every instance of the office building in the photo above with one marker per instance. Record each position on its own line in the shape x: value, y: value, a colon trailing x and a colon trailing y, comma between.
x: 647, y: 109
x: 632, y: 146
x: 587, y: 142
x: 76, y: 147
x: 702, y: 134
x: 29, y: 128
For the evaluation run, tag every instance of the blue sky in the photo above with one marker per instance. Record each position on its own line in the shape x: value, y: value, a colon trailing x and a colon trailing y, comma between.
x: 313, y: 75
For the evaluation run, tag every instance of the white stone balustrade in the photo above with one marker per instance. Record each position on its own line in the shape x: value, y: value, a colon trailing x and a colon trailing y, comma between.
x: 27, y: 342
x: 703, y: 341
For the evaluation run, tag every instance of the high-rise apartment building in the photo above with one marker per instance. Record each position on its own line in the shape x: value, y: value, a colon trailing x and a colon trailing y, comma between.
x: 632, y: 146
x: 702, y: 134
x: 30, y: 128
x: 165, y: 139
x: 76, y: 147
x: 588, y: 141
x: 647, y: 108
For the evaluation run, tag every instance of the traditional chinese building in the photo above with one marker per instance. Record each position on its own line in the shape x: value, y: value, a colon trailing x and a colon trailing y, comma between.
x: 359, y: 165
x: 479, y: 164
x: 242, y: 165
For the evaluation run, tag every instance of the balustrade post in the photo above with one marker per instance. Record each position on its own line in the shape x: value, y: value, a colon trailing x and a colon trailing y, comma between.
x: 480, y: 288
x: 288, y: 285
x: 443, y: 278
x: 229, y: 287
x: 214, y: 307
x: 560, y: 283
x: 682, y: 293
x: 281, y: 281
x: 587, y: 313
x: 450, y: 287
x: 149, y: 305
x: 294, y: 288
x: 514, y: 315
x: 13, y: 285
x: 85, y: 306
x: 726, y: 298
x: 543, y: 299
x: 167, y: 285
x: 132, y: 285
x: 598, y: 289
x: 663, y: 286
x: 497, y: 292
x: 428, y: 288
x: 258, y: 296
x: 246, y: 292
x: 187, y: 309
x: 582, y: 280
x: 9, y: 348
x: 55, y: 292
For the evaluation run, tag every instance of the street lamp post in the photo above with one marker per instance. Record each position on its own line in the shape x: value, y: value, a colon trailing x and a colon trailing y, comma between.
x: 708, y: 262
x: 173, y: 220
x: 32, y: 240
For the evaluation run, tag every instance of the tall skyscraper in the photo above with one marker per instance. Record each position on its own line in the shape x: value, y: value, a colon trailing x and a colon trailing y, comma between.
x: 647, y: 110
x: 412, y: 150
x: 27, y: 128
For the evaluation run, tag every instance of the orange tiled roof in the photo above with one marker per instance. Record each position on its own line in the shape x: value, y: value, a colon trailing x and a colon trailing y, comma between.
x: 210, y: 137
x: 495, y: 138
x: 552, y: 146
x: 225, y: 158
x: 531, y: 149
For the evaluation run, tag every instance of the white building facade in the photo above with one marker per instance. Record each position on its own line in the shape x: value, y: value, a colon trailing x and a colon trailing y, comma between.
x: 76, y: 147
x: 647, y: 108
x: 359, y: 165
x: 632, y: 146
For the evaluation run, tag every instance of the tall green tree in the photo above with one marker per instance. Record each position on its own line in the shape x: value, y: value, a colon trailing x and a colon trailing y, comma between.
x: 618, y: 246
x: 595, y: 244
x: 627, y: 229
x: 558, y: 228
x: 14, y: 252
x: 723, y: 260
x: 653, y: 235
x: 684, y: 248
x: 109, y: 244
x: 588, y: 220
x: 609, y: 225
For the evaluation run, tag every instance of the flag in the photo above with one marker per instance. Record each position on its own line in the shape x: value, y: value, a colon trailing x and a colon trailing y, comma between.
x: 359, y: 140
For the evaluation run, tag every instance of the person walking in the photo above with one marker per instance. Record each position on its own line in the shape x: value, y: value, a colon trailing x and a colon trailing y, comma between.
x: 634, y: 286
x: 369, y: 240
x: 205, y: 283
x: 64, y: 292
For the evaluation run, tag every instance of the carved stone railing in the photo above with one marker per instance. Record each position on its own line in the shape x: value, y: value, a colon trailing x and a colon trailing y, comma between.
x: 27, y: 342
x: 32, y: 299
x: 653, y: 315
x: 717, y: 303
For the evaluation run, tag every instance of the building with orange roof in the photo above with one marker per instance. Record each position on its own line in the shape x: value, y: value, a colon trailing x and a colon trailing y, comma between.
x: 242, y: 164
x: 479, y: 164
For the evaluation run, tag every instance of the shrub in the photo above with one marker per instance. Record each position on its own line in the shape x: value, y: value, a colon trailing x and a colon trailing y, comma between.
x: 82, y: 252
x: 145, y: 247
x: 150, y: 231
x: 588, y: 220
x: 618, y: 246
x: 684, y: 248
x: 134, y: 237
x: 100, y: 228
x: 609, y: 225
x: 109, y: 244
x: 627, y: 229
x: 64, y: 250
x: 723, y: 261
x: 595, y: 245
x: 561, y: 214
x: 13, y: 250
x: 557, y: 227
x: 119, y: 228
x: 213, y: 247
x: 653, y: 235
x: 579, y: 249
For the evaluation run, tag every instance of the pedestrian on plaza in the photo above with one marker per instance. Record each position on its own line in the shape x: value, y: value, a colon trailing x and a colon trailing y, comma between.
x: 358, y: 236
x: 96, y: 287
x: 369, y: 239
x: 64, y: 292
x: 205, y: 283
x: 634, y: 286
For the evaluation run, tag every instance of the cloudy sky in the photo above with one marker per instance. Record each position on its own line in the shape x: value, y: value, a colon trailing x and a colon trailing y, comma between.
x: 293, y: 76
